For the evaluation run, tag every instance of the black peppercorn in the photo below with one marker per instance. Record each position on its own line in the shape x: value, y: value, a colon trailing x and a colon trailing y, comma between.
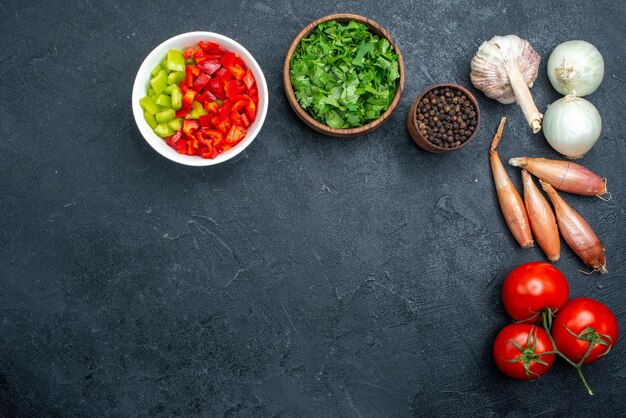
x: 446, y: 117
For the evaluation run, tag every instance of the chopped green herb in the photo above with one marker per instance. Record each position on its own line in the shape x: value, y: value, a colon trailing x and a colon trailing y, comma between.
x: 343, y: 75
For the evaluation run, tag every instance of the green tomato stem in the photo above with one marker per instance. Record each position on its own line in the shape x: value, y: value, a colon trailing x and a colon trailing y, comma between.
x: 582, y: 378
x: 546, y: 318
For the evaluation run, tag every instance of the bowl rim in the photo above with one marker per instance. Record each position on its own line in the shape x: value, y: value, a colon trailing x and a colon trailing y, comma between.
x: 413, y: 116
x: 308, y: 119
x: 138, y: 92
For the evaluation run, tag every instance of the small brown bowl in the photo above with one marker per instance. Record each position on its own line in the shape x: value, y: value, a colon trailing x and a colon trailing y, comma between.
x: 416, y: 135
x: 308, y: 119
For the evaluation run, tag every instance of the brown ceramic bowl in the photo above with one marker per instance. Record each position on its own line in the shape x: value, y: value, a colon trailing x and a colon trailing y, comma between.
x: 416, y: 135
x: 308, y: 119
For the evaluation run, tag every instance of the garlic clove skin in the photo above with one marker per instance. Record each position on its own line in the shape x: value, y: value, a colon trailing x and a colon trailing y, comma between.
x: 489, y: 71
x: 504, y: 68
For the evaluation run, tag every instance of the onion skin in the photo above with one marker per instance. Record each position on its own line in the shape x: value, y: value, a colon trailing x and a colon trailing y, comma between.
x: 576, y: 232
x: 575, y: 66
x: 566, y: 176
x: 572, y: 126
x: 511, y: 203
x: 542, y: 221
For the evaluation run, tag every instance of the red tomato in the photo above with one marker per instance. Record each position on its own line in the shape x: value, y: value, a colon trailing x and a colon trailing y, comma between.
x: 532, y: 287
x: 518, y: 351
x: 589, y: 321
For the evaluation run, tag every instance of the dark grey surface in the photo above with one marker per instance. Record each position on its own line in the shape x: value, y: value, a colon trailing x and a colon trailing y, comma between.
x: 308, y: 277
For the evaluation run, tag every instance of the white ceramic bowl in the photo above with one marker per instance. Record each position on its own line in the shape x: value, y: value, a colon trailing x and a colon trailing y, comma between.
x: 182, y: 42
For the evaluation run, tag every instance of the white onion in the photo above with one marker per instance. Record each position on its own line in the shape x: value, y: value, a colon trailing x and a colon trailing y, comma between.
x: 575, y: 66
x: 572, y: 126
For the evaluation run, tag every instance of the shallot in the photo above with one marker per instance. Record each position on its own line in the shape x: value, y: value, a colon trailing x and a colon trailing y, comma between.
x: 541, y: 219
x: 510, y: 201
x: 566, y: 176
x: 576, y: 232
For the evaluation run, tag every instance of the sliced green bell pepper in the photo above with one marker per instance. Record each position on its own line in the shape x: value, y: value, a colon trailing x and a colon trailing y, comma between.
x: 197, y: 110
x: 177, y: 99
x: 149, y: 105
x: 156, y: 70
x: 175, y: 60
x: 163, y: 130
x: 175, y: 77
x: 176, y: 124
x: 150, y: 119
x: 163, y: 100
x: 165, y: 116
x: 159, y: 82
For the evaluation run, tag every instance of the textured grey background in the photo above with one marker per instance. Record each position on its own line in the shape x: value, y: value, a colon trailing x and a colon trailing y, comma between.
x: 309, y: 277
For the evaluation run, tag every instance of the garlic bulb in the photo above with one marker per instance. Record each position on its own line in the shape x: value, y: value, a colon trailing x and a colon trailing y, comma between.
x: 504, y: 68
x: 572, y: 126
x: 575, y: 66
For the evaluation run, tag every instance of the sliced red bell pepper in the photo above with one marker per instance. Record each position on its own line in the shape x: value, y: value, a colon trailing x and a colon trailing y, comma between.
x: 235, y: 134
x: 181, y: 147
x: 216, y: 86
x: 205, y: 152
x: 189, y: 78
x: 206, y: 96
x: 188, y: 53
x: 245, y: 121
x: 205, y: 121
x: 183, y: 86
x: 240, y: 104
x: 237, y: 71
x: 243, y: 97
x: 200, y: 82
x: 194, y: 70
x: 225, y: 110
x: 202, y: 140
x: 216, y: 137
x: 210, y: 47
x: 176, y: 137
x: 224, y: 75
x: 190, y: 126
x: 212, y: 154
x: 210, y: 66
x: 251, y: 111
x: 224, y: 125
x: 211, y: 107
x: 248, y: 79
x: 218, y: 141
x: 235, y: 118
x: 231, y: 89
x: 203, y: 45
x: 182, y: 113
x: 254, y: 94
x: 229, y: 59
x: 188, y: 99
x: 199, y: 56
